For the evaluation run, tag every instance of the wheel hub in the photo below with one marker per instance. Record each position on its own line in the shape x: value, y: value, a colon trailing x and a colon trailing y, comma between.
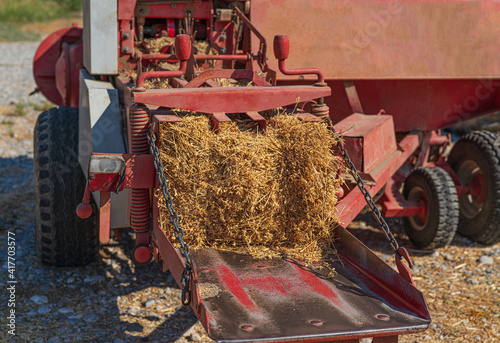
x: 417, y: 195
x: 471, y: 202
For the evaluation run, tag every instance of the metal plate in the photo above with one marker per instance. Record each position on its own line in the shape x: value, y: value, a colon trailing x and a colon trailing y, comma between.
x: 281, y: 300
x: 360, y: 39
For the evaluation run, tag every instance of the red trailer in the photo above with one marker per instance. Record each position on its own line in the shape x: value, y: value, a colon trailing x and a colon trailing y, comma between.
x: 388, y: 102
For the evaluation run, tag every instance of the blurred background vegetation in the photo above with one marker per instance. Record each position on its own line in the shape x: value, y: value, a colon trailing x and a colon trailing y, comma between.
x: 28, y: 20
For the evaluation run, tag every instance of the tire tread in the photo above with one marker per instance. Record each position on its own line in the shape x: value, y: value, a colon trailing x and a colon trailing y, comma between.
x: 62, y: 239
x: 483, y: 140
x: 445, y: 195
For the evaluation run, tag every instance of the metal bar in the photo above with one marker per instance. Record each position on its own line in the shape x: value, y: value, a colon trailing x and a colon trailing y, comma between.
x: 261, y: 58
x: 160, y: 74
x: 307, y: 117
x: 438, y: 139
x: 261, y: 121
x: 104, y: 217
x: 301, y: 71
x: 353, y: 97
x: 230, y: 99
x: 227, y: 74
x: 216, y: 119
x: 171, y: 58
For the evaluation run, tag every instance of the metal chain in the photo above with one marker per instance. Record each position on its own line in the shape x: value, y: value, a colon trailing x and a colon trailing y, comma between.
x: 368, y: 198
x: 174, y: 220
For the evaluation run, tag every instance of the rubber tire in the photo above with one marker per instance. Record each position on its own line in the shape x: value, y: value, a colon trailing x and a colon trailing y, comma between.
x: 478, y: 146
x: 443, y: 210
x: 62, y: 239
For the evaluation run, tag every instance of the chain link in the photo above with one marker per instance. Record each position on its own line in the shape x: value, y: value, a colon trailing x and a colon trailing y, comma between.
x: 366, y: 194
x: 174, y: 220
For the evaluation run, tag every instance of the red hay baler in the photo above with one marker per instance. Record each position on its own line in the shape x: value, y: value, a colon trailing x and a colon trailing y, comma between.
x: 382, y: 84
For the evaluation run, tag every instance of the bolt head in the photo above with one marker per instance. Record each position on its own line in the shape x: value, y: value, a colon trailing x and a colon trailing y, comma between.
x: 126, y: 49
x: 223, y: 50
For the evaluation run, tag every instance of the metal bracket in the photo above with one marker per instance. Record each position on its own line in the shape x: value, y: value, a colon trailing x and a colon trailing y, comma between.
x: 353, y: 97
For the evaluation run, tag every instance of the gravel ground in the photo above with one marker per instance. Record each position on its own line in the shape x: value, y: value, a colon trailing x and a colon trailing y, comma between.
x: 115, y: 301
x: 17, y: 76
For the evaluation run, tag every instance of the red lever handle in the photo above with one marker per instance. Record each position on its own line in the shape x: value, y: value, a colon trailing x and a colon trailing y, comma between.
x: 281, y: 46
x: 183, y: 47
x: 84, y: 210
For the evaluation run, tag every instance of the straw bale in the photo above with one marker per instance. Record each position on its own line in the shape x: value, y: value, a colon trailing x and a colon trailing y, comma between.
x: 267, y: 194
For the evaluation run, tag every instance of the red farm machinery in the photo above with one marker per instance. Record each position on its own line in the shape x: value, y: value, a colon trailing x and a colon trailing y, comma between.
x: 391, y: 76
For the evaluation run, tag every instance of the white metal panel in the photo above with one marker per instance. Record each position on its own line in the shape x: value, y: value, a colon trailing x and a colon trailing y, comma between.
x: 100, y: 130
x: 100, y: 36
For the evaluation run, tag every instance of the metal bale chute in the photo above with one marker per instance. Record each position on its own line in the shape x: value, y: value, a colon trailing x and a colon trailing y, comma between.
x: 240, y: 172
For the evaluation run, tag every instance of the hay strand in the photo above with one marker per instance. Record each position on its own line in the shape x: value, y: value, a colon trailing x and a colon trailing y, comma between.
x: 266, y: 194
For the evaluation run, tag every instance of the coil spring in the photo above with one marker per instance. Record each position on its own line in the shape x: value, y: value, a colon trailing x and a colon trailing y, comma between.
x: 139, y: 125
x: 140, y: 209
x: 320, y: 110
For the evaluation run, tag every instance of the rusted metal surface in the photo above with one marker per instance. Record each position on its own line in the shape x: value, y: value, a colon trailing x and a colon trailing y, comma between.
x: 387, y: 39
x: 280, y: 300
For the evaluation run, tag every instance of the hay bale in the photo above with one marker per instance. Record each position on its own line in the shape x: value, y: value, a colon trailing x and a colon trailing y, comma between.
x: 267, y: 194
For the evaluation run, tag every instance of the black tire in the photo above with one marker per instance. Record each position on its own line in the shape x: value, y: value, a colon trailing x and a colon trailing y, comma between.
x: 475, y: 157
x: 62, y: 239
x: 435, y: 188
